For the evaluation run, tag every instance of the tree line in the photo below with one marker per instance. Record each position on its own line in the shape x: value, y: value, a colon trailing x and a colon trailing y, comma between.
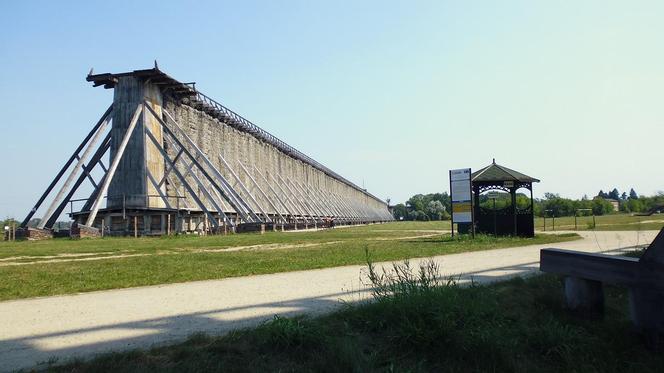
x: 437, y: 206
x: 600, y: 204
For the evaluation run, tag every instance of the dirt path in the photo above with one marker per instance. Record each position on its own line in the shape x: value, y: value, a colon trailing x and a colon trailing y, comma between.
x: 41, y: 329
x: 107, y: 255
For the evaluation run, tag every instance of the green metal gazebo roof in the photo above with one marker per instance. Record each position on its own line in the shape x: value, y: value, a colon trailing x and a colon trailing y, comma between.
x: 496, y: 172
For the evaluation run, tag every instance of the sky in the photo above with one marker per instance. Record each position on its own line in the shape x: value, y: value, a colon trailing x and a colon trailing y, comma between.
x: 389, y: 94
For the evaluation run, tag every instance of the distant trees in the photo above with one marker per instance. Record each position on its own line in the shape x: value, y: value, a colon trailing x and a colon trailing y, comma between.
x: 614, y: 194
x: 553, y: 204
x: 435, y: 210
x: 437, y: 206
x: 7, y: 222
x: 630, y: 203
x: 433, y: 206
x: 400, y: 211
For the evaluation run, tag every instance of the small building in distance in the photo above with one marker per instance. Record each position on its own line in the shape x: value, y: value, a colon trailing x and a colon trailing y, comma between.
x: 614, y: 202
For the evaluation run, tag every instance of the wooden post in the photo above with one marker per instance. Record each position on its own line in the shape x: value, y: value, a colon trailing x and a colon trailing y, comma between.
x: 13, y: 231
x: 102, y: 228
x: 135, y: 226
x: 168, y: 225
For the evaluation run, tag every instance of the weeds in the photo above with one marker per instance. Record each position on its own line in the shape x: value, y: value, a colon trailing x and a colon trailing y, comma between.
x: 404, y: 280
x: 418, y: 323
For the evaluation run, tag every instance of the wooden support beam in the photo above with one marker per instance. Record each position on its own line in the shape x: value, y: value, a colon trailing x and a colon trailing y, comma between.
x: 88, y: 143
x: 114, y: 166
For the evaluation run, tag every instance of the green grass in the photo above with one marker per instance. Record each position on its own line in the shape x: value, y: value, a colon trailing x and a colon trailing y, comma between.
x: 612, y: 222
x: 514, y: 326
x: 30, y: 269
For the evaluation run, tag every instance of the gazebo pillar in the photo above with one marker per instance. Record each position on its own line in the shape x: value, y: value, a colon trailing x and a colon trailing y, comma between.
x: 514, y: 209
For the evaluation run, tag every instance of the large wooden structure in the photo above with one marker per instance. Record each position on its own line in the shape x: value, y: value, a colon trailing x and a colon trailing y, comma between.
x: 179, y: 161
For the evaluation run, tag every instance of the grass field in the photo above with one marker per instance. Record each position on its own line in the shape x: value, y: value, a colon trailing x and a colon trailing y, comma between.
x: 613, y: 222
x: 514, y: 326
x: 64, y: 266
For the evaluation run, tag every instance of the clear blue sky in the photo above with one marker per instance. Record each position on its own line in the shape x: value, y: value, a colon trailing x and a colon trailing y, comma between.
x: 389, y: 94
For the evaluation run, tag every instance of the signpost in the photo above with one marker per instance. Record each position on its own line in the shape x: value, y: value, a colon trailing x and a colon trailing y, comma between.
x: 461, y: 197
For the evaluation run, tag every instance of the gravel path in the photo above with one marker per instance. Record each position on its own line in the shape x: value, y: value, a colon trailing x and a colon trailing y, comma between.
x: 37, y: 330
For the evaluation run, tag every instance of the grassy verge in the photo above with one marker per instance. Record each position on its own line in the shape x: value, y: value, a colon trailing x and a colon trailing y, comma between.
x: 517, y: 326
x: 54, y: 267
x: 612, y: 222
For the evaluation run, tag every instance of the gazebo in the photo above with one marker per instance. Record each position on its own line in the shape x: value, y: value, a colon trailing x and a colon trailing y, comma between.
x: 507, y: 220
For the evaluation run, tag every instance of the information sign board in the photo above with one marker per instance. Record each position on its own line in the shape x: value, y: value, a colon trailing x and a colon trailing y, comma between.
x: 461, y: 196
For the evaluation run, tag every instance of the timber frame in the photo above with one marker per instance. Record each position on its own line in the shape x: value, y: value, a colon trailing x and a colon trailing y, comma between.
x: 510, y: 220
x: 217, y: 195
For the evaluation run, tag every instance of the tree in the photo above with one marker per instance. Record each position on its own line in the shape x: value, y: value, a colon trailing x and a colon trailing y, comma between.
x: 400, y: 211
x: 417, y: 215
x: 614, y: 194
x: 623, y: 196
x: 8, y: 223
x: 632, y: 194
x: 416, y: 203
x: 435, y: 210
x: 633, y: 205
x: 602, y: 194
x: 601, y: 206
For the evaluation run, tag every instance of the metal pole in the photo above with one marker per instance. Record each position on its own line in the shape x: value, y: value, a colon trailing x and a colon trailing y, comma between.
x: 135, y: 226
x: 474, y: 203
x: 452, y: 205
